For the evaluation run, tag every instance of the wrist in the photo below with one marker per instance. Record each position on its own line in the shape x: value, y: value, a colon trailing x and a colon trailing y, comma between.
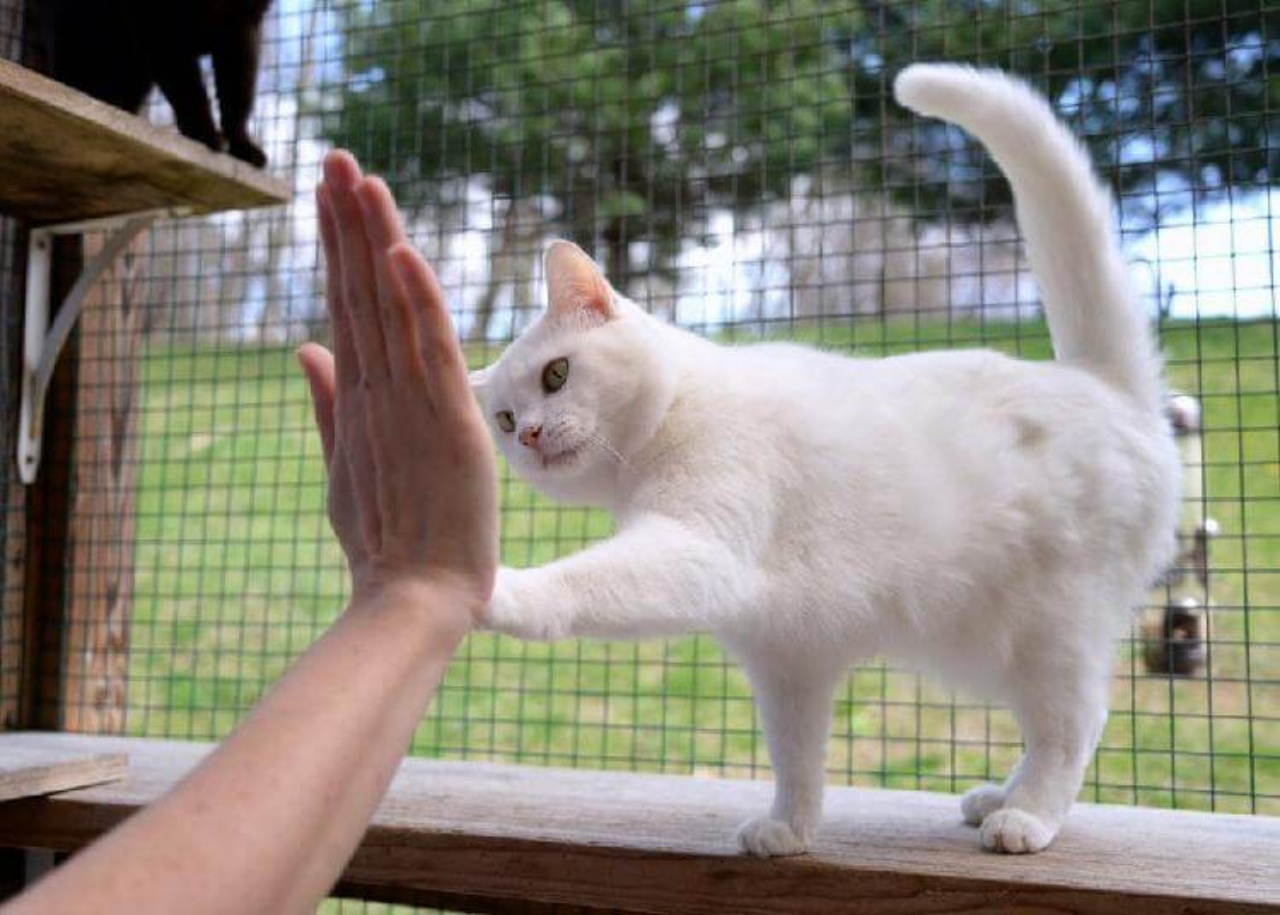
x: 429, y: 604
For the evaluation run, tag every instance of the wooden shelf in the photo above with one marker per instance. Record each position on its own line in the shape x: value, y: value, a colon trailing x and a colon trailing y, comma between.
x: 66, y: 157
x: 493, y: 838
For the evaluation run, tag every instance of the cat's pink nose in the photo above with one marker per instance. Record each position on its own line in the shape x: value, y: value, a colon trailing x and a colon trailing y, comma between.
x: 529, y: 436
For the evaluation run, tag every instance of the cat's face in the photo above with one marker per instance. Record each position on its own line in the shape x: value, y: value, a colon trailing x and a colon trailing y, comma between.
x: 572, y: 396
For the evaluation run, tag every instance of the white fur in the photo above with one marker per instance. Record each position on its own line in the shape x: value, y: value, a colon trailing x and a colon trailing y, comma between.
x: 988, y: 519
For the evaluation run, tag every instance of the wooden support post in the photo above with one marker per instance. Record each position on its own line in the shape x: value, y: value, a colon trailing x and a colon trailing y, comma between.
x: 101, y: 525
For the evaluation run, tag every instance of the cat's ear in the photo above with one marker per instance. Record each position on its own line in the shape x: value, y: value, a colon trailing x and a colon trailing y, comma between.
x: 575, y: 285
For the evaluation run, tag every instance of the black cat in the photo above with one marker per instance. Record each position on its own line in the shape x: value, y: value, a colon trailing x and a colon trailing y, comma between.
x: 116, y: 50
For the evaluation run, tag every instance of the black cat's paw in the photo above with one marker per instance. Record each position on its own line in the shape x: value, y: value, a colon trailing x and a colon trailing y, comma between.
x: 213, y: 140
x: 246, y: 150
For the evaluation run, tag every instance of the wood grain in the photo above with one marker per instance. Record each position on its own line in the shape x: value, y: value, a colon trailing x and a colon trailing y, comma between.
x: 101, y: 523
x: 26, y: 771
x: 65, y: 156
x: 496, y: 838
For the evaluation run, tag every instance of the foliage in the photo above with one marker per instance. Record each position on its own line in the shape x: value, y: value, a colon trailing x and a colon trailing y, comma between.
x: 1172, y: 95
x: 633, y: 121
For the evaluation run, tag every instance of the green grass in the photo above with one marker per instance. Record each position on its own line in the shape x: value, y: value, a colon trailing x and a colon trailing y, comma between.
x: 236, y: 573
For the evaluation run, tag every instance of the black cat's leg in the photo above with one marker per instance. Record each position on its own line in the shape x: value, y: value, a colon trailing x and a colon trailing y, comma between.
x: 235, y: 67
x: 183, y: 85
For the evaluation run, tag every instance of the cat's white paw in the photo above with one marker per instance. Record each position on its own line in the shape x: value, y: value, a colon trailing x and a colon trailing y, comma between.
x: 503, y: 611
x: 980, y: 802
x: 1015, y: 832
x: 515, y: 610
x: 765, y: 837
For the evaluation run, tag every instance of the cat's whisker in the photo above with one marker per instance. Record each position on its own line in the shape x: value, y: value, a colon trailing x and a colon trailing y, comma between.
x: 597, y: 439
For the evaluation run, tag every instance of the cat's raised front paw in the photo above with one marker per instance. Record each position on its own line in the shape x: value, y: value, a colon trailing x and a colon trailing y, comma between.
x: 1015, y: 832
x: 765, y: 837
x: 980, y: 802
x: 509, y: 613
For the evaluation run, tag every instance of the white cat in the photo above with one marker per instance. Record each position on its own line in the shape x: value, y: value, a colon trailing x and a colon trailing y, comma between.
x: 988, y: 519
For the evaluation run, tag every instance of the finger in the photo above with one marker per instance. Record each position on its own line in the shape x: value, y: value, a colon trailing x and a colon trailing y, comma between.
x: 356, y: 456
x: 438, y: 346
x: 399, y: 329
x: 348, y: 513
x: 347, y: 370
x: 318, y: 365
x: 341, y: 175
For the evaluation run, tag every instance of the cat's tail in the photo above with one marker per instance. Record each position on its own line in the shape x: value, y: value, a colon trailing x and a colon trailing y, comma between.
x: 1065, y: 215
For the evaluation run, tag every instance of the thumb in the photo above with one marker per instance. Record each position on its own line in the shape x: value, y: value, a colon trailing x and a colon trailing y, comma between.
x: 317, y: 365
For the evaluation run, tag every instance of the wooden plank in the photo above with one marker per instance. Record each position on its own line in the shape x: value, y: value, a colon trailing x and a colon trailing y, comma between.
x: 27, y: 771
x: 510, y: 838
x: 100, y: 528
x: 65, y: 156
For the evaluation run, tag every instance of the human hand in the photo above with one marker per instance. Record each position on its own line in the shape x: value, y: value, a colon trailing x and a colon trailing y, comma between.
x: 412, y: 477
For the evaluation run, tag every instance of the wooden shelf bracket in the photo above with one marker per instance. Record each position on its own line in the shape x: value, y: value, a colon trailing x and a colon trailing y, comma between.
x: 43, y: 343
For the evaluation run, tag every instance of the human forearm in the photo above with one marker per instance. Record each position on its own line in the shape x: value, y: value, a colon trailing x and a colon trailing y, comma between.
x: 230, y: 838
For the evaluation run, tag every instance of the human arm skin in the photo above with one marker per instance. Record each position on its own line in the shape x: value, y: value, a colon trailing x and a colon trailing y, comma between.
x: 267, y: 822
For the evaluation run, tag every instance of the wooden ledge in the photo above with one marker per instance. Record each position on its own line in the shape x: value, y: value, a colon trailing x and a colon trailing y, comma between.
x: 66, y: 157
x: 491, y: 838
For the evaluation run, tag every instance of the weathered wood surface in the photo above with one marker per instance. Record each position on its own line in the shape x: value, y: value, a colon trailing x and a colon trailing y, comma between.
x: 26, y: 771
x: 102, y: 513
x: 496, y: 838
x: 65, y: 157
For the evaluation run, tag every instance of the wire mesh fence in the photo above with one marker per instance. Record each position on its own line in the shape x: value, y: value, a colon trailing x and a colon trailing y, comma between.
x: 742, y: 169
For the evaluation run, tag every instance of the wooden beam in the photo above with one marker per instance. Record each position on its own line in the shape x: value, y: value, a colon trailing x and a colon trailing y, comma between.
x: 65, y: 156
x: 100, y: 529
x: 493, y: 838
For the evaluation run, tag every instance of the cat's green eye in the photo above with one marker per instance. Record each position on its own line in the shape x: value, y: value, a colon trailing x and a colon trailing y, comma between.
x: 555, y: 375
x: 506, y: 421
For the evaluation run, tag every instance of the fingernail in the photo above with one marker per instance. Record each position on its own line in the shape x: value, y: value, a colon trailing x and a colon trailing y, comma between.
x: 338, y: 172
x: 400, y: 260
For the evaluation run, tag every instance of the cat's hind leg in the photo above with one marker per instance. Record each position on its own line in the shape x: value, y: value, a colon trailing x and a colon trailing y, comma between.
x: 235, y: 69
x: 1061, y: 725
x: 181, y: 82
x: 795, y: 704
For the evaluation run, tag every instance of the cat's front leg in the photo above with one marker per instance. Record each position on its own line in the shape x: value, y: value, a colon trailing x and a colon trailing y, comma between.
x: 657, y: 577
x: 511, y: 609
x: 794, y: 697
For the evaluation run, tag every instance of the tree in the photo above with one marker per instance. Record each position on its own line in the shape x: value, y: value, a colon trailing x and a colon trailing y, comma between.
x: 626, y: 122
x: 1169, y: 94
x: 623, y: 122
